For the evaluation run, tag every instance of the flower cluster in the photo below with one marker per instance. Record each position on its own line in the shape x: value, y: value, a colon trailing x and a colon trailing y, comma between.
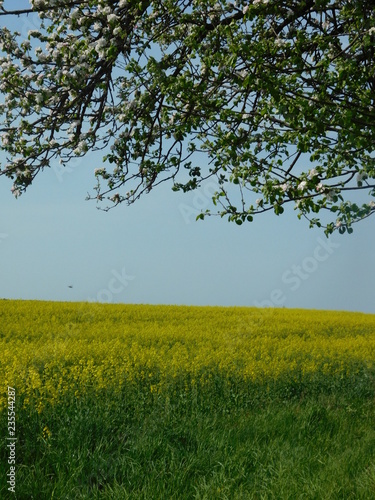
x: 51, y: 351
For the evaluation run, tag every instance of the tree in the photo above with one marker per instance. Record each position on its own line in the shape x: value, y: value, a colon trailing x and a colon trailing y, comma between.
x: 274, y: 99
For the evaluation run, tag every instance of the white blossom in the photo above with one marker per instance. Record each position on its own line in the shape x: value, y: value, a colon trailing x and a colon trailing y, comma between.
x: 82, y: 146
x: 243, y: 73
x: 302, y: 185
x: 279, y: 42
x: 361, y: 176
x: 99, y: 171
x: 73, y: 126
x: 26, y: 44
x: 313, y: 173
x: 106, y: 11
x: 101, y: 43
x: 15, y: 191
x: 112, y: 18
x: 5, y: 139
x: 75, y: 14
x: 37, y: 3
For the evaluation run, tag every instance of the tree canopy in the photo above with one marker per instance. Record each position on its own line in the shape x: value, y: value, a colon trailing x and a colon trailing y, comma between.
x: 273, y: 99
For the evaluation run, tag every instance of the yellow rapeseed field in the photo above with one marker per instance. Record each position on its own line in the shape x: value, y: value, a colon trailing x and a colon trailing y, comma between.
x: 49, y: 350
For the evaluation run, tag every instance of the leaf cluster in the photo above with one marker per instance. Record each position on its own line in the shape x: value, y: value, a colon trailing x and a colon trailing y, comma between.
x: 278, y: 97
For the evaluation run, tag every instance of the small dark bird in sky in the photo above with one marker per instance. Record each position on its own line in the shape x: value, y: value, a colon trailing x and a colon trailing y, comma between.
x: 70, y: 286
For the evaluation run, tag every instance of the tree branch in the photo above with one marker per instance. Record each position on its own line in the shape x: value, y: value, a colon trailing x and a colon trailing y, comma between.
x: 20, y: 12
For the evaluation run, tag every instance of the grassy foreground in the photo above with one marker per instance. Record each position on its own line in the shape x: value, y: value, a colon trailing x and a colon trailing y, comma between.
x: 157, y: 402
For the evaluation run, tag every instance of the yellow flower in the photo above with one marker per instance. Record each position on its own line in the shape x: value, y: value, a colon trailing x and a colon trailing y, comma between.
x: 50, y: 351
x: 46, y: 432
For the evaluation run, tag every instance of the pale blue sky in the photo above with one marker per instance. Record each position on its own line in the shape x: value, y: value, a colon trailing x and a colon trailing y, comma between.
x: 154, y: 252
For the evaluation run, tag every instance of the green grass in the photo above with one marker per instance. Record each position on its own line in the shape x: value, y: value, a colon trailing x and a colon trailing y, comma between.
x: 313, y: 441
